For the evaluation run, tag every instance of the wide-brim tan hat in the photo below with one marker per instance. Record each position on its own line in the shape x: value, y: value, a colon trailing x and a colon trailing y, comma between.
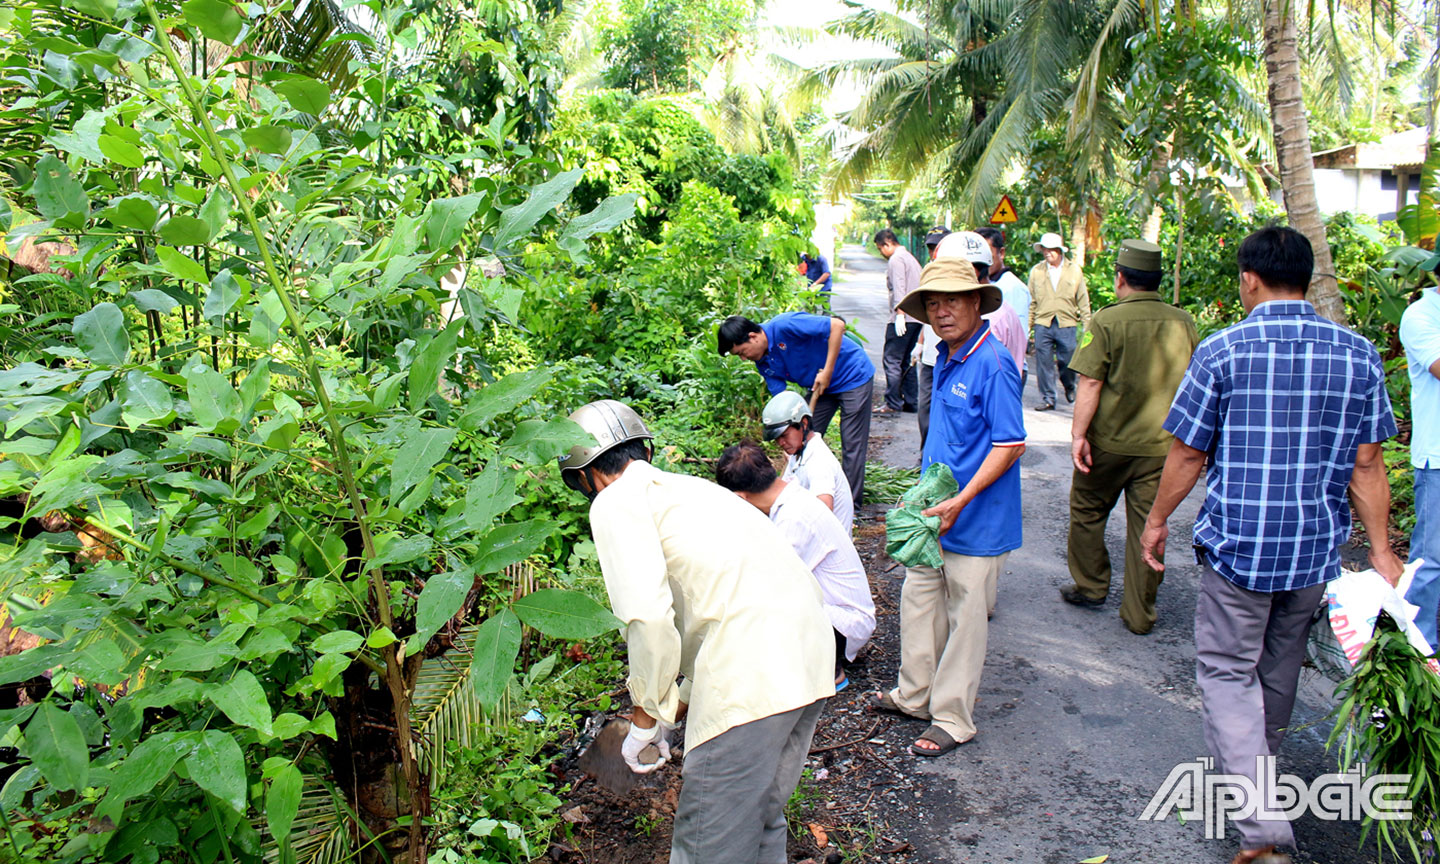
x: 948, y: 276
x: 1052, y: 241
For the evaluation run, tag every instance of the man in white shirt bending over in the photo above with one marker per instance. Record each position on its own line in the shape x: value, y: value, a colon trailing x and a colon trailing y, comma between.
x: 811, y: 464
x: 816, y: 537
x: 707, y: 588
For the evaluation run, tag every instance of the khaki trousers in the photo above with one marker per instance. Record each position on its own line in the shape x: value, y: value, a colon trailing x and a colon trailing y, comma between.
x: 1092, y: 497
x: 943, y: 629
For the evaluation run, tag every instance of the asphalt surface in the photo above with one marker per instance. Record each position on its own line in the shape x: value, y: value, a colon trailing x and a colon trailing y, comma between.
x: 1080, y: 720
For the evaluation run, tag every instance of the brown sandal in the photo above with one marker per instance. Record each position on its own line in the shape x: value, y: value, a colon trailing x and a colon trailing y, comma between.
x: 880, y: 700
x: 939, y: 737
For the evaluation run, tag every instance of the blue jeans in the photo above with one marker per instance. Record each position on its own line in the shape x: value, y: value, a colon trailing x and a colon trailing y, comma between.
x: 1425, y: 543
x: 1054, y: 346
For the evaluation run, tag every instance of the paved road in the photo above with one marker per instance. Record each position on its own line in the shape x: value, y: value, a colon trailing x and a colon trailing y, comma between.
x: 1080, y: 720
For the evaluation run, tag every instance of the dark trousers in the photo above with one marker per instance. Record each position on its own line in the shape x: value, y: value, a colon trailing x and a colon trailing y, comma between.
x: 900, y: 376
x: 1092, y: 497
x: 854, y: 408
x: 1249, y: 647
x: 1054, y: 346
x: 922, y: 401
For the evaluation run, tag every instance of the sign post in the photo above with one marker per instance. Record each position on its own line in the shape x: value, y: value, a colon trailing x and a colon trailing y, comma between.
x: 1004, y: 212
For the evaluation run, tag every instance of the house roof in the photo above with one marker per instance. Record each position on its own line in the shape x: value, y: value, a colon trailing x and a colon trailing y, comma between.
x: 1399, y: 149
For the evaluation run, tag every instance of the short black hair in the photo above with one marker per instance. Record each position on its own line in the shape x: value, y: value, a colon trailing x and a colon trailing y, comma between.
x: 885, y: 235
x: 994, y: 236
x: 982, y: 271
x: 733, y: 331
x: 614, y: 460
x: 744, y: 467
x: 1143, y: 280
x: 1280, y: 256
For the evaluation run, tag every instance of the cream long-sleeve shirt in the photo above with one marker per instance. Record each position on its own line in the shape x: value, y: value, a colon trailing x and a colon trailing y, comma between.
x: 709, y: 589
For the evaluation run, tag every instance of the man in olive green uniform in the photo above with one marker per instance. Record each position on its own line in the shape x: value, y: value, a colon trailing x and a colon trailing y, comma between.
x: 1130, y: 367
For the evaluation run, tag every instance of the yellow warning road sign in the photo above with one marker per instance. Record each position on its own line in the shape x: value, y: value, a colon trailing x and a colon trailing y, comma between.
x: 1004, y: 212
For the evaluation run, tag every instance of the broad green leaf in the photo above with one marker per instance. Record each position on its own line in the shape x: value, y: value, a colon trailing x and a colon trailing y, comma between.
x: 446, y: 219
x: 38, y: 660
x: 217, y: 19
x: 243, y: 701
x: 84, y: 138
x: 1098, y: 859
x: 489, y: 495
x: 121, y: 152
x: 215, y: 212
x: 149, y: 763
x: 329, y: 666
x: 54, y: 742
x: 213, y: 401
x: 181, y: 266
x: 305, y: 95
x: 267, y: 316
x: 185, y: 231
x: 98, y: 8
x: 504, y: 545
x: 153, y: 300
x: 223, y: 295
x: 256, y: 525
x: 564, y: 614
x: 497, y: 644
x: 394, y: 549
x: 380, y: 637
x: 143, y: 400
x: 198, y: 655
x: 439, y: 600
x: 502, y: 397
x: 65, y: 484
x: 416, y: 457
x: 424, y: 374
x: 218, y: 767
x: 338, y: 641
x: 268, y: 138
x: 544, y: 440
x: 263, y: 642
x: 101, y: 334
x: 606, y: 216
x: 57, y: 192
x: 517, y: 221
x: 132, y: 211
x: 282, y: 802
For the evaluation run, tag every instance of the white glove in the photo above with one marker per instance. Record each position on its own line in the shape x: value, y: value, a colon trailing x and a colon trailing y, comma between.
x: 899, y: 325
x: 638, y: 739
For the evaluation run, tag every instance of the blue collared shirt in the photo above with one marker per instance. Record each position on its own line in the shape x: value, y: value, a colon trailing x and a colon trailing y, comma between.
x: 974, y: 407
x: 817, y: 267
x: 799, y: 342
x: 1282, y: 402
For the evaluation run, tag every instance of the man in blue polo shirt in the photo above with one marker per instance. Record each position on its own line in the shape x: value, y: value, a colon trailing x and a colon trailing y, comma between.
x: 812, y: 351
x: 977, y: 428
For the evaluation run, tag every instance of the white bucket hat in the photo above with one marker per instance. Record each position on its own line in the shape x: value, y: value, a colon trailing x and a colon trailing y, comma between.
x: 1052, y: 241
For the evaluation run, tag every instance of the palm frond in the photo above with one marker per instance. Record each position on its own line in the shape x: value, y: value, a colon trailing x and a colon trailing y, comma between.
x: 322, y: 832
x: 446, y: 708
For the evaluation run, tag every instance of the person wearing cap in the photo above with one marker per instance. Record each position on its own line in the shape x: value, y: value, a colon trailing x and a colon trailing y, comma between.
x: 1130, y: 365
x: 976, y: 429
x: 902, y: 274
x: 707, y: 589
x: 812, y: 351
x: 816, y: 537
x: 1059, y: 305
x: 1420, y: 335
x: 1004, y: 323
x: 809, y: 462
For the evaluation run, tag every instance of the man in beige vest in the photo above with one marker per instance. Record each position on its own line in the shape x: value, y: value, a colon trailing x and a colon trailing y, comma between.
x: 1059, y: 301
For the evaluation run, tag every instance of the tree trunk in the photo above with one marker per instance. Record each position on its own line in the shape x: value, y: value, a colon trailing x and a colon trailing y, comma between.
x: 1077, y: 236
x: 1159, y: 170
x: 1292, y: 152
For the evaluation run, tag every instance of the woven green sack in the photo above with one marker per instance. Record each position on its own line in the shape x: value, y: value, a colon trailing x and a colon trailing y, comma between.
x: 910, y: 538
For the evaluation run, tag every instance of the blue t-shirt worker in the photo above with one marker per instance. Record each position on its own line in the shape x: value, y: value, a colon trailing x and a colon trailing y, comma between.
x: 1289, y: 411
x: 812, y: 351
x: 817, y: 270
x: 976, y: 427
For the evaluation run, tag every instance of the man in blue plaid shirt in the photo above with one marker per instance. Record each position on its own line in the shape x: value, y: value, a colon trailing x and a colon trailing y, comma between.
x: 1289, y: 411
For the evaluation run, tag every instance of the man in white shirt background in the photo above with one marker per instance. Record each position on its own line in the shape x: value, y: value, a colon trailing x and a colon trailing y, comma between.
x: 707, y: 588
x: 810, y: 461
x: 816, y: 537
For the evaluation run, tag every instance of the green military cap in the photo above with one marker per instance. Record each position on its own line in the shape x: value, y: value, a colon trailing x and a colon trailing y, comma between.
x: 1139, y: 255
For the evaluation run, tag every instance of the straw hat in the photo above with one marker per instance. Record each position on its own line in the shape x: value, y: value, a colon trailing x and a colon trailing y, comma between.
x: 948, y: 276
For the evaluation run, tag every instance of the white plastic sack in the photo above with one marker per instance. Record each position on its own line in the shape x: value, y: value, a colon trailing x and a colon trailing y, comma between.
x: 1355, y: 600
